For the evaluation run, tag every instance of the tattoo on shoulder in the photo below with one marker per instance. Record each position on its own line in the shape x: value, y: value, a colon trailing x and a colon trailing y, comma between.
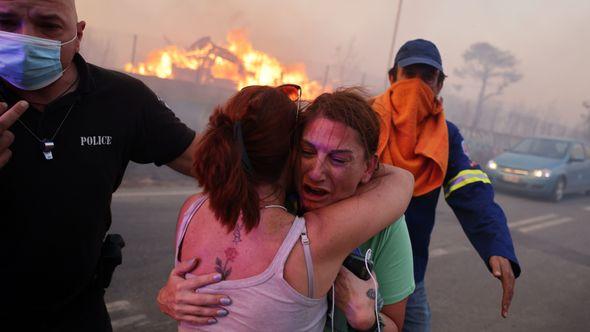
x: 237, y: 234
x: 371, y: 293
x: 230, y: 255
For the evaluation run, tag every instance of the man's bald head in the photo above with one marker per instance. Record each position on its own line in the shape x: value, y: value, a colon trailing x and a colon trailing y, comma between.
x: 49, y: 19
x: 70, y: 5
x: 65, y: 9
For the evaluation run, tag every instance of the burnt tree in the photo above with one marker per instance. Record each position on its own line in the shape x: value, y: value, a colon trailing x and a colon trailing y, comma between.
x: 494, y: 68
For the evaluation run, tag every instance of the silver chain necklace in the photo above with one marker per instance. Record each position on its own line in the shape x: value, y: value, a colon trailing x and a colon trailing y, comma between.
x: 47, y: 145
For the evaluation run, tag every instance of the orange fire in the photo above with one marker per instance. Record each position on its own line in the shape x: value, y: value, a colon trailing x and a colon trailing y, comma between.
x: 238, y: 62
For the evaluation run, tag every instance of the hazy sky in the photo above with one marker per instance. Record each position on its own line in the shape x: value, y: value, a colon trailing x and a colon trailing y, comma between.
x: 551, y: 39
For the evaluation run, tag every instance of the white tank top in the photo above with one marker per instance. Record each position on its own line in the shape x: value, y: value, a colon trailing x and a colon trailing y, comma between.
x: 264, y: 302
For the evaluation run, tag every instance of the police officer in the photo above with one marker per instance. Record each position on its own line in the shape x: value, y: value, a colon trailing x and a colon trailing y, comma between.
x: 60, y: 162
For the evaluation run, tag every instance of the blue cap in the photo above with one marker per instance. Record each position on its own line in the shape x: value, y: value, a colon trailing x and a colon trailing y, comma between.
x: 418, y: 51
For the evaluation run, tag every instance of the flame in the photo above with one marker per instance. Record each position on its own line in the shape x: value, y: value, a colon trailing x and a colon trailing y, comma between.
x: 243, y: 65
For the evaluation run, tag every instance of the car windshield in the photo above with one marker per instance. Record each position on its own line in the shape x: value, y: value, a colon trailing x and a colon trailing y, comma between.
x: 542, y: 147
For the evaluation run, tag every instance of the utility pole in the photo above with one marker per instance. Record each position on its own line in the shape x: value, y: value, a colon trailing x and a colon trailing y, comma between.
x: 390, y: 59
x: 105, y: 55
x: 133, y: 49
x: 586, y: 117
x: 325, y: 81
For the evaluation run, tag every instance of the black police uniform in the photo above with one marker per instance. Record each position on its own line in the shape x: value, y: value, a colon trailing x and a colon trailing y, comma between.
x: 55, y: 213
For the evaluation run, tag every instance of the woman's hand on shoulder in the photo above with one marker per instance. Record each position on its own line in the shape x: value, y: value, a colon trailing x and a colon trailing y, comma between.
x: 180, y: 298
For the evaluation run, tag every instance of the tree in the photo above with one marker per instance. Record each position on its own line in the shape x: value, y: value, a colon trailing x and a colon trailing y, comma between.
x: 346, y: 63
x: 493, y: 67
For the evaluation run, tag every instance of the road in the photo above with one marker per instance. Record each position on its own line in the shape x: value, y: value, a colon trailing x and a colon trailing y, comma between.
x: 551, y: 241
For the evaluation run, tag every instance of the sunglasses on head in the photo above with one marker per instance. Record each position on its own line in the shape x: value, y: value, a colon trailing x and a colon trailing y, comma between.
x: 293, y: 91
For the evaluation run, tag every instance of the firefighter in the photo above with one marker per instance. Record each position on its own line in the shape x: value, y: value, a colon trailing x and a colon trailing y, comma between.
x: 416, y: 136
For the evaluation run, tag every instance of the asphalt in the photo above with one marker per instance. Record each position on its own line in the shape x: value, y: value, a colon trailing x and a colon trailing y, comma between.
x: 551, y: 241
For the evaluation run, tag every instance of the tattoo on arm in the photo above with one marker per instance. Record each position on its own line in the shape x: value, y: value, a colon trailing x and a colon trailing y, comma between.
x: 373, y: 295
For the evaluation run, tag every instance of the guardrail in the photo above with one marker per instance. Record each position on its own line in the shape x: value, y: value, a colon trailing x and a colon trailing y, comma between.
x: 484, y: 144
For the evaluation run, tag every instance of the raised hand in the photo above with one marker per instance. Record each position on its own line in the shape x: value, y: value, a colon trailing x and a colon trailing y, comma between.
x: 7, y: 118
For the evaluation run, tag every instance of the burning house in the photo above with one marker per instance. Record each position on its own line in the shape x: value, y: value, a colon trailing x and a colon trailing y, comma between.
x: 232, y: 66
x: 193, y: 80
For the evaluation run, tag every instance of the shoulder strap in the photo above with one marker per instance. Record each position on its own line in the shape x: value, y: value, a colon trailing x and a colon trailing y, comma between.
x: 308, y: 261
x: 298, y: 232
x: 187, y: 217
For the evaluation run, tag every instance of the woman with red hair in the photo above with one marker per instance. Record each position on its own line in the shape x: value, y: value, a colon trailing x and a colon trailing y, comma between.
x: 277, y: 268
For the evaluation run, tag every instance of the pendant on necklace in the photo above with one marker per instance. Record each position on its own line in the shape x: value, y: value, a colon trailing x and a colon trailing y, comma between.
x: 46, y: 147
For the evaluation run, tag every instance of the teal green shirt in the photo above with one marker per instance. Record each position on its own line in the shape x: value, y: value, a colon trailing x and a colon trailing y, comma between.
x: 394, y: 267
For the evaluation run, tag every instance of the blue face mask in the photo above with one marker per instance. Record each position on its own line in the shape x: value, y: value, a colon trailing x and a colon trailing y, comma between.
x: 30, y: 63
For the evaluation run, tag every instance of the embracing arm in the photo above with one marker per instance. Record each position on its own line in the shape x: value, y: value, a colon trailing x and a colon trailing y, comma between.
x: 179, y: 299
x: 353, y: 220
x: 184, y: 163
x: 337, y: 229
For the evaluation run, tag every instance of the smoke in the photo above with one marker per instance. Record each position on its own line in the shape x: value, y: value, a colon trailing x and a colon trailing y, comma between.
x: 547, y: 37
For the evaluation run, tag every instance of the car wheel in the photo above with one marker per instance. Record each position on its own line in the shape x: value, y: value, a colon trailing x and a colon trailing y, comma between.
x: 558, y: 190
